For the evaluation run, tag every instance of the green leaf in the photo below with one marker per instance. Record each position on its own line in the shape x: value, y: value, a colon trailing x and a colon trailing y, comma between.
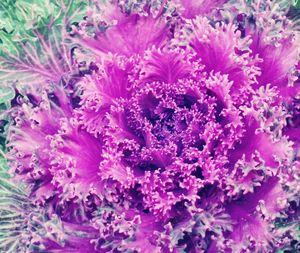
x: 6, y: 94
x: 34, y: 46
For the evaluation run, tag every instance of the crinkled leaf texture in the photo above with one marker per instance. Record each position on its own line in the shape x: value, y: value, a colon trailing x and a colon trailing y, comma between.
x: 162, y: 126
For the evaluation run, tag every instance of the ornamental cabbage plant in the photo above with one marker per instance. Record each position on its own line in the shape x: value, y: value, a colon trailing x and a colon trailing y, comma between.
x: 150, y: 126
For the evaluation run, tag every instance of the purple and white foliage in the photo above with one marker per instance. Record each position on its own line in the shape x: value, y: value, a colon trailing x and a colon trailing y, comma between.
x: 177, y: 131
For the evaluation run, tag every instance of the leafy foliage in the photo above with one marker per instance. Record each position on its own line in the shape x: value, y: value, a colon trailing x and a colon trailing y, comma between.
x: 33, y: 51
x: 184, y: 136
x: 33, y: 39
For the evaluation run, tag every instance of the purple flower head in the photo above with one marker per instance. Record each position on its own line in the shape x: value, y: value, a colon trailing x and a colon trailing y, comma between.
x: 176, y: 129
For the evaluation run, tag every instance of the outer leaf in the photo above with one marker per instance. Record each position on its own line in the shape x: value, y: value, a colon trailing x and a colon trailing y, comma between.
x: 6, y: 94
x: 36, y: 51
x: 12, y: 202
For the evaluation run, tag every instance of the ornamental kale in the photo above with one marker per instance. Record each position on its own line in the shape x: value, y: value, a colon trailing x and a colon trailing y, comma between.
x: 152, y: 126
